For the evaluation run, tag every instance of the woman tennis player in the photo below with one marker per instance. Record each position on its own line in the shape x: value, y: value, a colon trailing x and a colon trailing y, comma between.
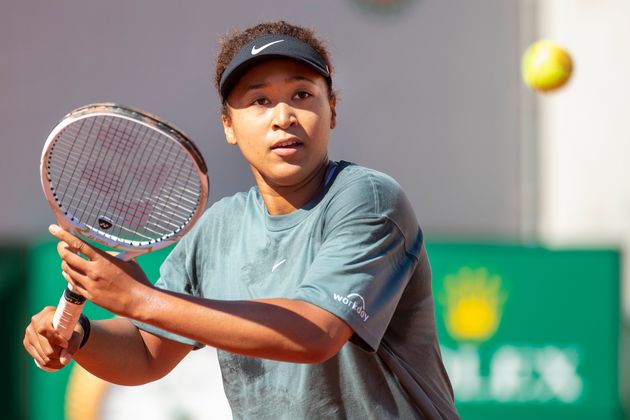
x: 314, y: 285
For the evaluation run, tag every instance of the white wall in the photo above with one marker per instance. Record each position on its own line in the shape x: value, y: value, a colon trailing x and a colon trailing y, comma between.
x: 584, y: 130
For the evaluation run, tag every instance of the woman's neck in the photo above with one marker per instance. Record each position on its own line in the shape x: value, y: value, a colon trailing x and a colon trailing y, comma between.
x: 286, y: 199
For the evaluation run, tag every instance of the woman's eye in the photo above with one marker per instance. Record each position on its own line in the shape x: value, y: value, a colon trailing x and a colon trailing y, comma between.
x: 302, y: 95
x: 260, y: 101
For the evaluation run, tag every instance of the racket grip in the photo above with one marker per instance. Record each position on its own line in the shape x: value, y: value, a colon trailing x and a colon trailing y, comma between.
x: 68, y: 312
x: 66, y: 316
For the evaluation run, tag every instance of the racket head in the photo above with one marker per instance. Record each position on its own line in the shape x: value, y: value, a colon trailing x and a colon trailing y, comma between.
x: 123, y: 177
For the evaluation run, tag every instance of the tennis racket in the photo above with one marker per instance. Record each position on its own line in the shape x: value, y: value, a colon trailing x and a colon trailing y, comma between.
x: 123, y: 178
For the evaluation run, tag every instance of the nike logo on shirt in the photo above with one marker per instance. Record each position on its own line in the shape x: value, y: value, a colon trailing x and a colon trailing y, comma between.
x: 257, y: 50
x: 278, y: 264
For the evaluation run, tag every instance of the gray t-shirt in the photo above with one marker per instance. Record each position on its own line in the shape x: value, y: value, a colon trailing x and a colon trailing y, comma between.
x: 356, y: 250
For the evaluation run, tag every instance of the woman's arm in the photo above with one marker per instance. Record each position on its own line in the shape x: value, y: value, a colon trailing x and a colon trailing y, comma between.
x: 280, y: 329
x: 116, y: 350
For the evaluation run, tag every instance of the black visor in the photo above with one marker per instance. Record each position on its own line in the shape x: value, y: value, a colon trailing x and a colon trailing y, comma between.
x: 265, y: 47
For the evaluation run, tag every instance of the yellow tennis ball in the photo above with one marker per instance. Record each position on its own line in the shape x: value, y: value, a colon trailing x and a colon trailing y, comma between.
x: 546, y: 66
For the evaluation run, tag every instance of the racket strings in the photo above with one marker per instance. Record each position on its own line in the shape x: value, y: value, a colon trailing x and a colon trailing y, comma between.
x: 162, y: 213
x: 99, y: 177
x: 64, y: 163
x: 172, y: 194
x: 161, y: 184
x: 126, y: 173
x: 187, y: 199
x: 108, y: 130
x: 134, y: 212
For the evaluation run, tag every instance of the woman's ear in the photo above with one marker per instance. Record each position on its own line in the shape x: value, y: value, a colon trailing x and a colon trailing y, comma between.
x: 333, y: 111
x: 228, y: 129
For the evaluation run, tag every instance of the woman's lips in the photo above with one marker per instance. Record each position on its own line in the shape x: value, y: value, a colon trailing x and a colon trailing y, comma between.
x: 286, y: 147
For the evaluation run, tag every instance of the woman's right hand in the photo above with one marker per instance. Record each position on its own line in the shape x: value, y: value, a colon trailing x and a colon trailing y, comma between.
x: 47, y: 347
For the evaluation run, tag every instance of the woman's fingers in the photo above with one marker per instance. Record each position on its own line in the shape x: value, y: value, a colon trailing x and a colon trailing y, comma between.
x: 71, y: 255
x: 75, y: 243
x: 33, y: 346
x: 77, y: 278
x: 76, y: 286
x: 41, y: 340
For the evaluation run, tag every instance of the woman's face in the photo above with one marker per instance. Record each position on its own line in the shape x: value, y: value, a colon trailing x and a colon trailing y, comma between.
x: 280, y: 116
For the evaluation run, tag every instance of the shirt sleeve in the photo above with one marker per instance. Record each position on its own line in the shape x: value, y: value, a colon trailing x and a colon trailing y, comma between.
x: 364, y: 264
x: 177, y: 274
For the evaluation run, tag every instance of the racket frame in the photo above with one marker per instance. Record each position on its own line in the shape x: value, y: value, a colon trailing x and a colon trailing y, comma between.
x: 71, y: 304
x: 128, y: 250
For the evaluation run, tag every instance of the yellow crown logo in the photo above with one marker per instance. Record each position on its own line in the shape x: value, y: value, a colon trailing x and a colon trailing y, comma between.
x: 472, y: 301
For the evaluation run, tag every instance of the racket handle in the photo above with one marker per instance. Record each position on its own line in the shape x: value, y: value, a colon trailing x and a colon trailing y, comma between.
x: 66, y: 316
x: 68, y: 312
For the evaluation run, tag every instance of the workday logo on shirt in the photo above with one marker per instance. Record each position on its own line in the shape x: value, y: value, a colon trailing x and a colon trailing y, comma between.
x: 356, y: 302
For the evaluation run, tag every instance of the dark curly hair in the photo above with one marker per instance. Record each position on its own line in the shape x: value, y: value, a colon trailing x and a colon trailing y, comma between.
x: 232, y: 43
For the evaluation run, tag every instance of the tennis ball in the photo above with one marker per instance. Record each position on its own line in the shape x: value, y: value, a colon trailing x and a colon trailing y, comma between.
x: 546, y: 66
